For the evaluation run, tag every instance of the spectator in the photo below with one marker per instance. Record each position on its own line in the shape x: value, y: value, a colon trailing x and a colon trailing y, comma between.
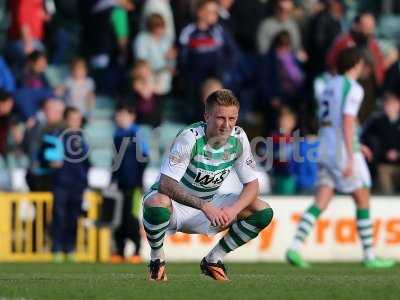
x: 205, y: 51
x: 33, y: 86
x: 305, y: 168
x: 283, y: 173
x: 154, y: 46
x: 42, y: 146
x: 129, y: 177
x: 209, y: 86
x: 251, y: 13
x: 65, y: 32
x: 68, y: 186
x: 280, y: 21
x: 7, y: 80
x: 104, y: 29
x: 143, y: 95
x: 323, y: 28
x: 362, y: 36
x: 7, y: 126
x: 27, y: 28
x: 392, y: 78
x: 120, y: 24
x: 162, y: 8
x: 79, y: 89
x: 6, y: 105
x: 33, y: 76
x: 10, y: 131
x: 382, y: 136
x: 281, y: 78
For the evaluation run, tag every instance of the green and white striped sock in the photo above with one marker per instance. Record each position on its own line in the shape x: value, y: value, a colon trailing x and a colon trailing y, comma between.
x: 155, y: 223
x: 365, y: 231
x: 305, y: 226
x: 240, y: 232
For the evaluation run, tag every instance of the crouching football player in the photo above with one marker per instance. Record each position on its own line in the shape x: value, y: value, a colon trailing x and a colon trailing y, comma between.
x: 185, y: 198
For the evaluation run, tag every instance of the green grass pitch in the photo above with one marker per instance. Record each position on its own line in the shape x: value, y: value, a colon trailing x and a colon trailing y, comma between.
x: 248, y: 281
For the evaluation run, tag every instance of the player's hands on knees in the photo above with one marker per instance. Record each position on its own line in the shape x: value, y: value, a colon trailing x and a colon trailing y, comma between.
x: 231, y: 213
x: 216, y: 215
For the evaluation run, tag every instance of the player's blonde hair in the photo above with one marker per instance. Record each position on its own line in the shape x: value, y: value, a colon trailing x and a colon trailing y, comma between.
x: 223, y: 97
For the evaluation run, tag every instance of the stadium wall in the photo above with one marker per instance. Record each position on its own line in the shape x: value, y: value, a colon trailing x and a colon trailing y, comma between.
x: 334, y: 237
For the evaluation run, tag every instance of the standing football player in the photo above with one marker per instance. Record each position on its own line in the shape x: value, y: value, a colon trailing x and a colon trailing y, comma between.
x: 185, y: 198
x: 341, y: 163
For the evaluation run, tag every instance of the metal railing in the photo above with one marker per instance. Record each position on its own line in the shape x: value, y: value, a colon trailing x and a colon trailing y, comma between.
x: 25, y: 236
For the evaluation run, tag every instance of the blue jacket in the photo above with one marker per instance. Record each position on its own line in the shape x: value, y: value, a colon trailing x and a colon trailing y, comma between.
x: 7, y: 80
x: 73, y: 173
x: 306, y: 171
x: 206, y: 53
x: 130, y: 172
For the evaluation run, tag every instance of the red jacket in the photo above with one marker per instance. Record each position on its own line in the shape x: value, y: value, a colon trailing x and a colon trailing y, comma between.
x: 346, y: 41
x: 28, y: 13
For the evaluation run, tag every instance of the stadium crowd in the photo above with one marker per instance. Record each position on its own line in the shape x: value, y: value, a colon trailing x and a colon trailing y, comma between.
x: 159, y: 59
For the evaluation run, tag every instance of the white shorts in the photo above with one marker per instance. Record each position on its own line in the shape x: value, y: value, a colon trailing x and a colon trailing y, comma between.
x: 330, y: 174
x: 190, y: 220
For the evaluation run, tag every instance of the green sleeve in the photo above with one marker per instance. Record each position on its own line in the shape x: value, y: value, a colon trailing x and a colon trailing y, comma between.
x: 119, y: 20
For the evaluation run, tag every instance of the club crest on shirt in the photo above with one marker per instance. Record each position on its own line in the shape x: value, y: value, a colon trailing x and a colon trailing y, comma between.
x: 226, y: 155
x: 250, y: 162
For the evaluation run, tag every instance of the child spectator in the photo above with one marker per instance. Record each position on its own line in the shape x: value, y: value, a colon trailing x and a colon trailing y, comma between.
x: 155, y: 46
x: 281, y: 76
x: 284, y: 179
x: 129, y: 177
x: 68, y: 186
x: 33, y: 76
x: 143, y: 95
x: 305, y: 166
x: 79, y: 88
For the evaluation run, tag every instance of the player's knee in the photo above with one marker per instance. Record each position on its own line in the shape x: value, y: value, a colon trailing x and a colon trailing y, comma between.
x: 158, y: 200
x: 263, y: 217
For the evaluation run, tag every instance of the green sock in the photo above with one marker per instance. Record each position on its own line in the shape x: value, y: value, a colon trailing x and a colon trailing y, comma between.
x: 240, y: 233
x: 306, y: 224
x: 365, y: 231
x: 155, y: 223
